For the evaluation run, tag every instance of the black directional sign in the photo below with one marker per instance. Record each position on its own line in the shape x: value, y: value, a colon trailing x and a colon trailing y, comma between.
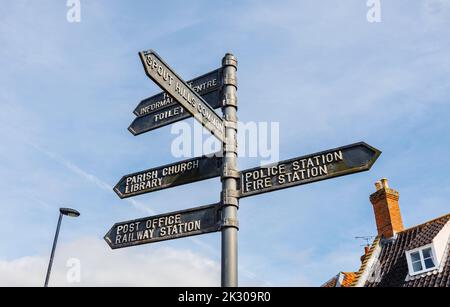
x: 208, y: 86
x: 168, y: 176
x: 328, y: 164
x: 157, y: 70
x: 166, y: 226
x: 158, y: 119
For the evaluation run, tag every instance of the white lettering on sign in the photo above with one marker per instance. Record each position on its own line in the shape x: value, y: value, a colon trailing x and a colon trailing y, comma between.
x: 203, y: 87
x: 155, y: 178
x: 166, y: 100
x: 165, y: 226
x: 180, y: 168
x: 285, y: 173
x: 168, y: 114
x: 184, y: 94
x: 160, y: 69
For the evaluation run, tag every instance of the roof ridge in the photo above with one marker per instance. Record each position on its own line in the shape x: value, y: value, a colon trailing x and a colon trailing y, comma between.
x: 425, y: 223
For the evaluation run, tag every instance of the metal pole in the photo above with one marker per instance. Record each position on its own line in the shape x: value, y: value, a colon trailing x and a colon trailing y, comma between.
x: 230, y: 176
x: 55, y: 240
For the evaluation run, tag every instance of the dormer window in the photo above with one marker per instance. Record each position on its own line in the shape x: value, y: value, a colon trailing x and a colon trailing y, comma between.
x: 427, y: 255
x: 421, y: 260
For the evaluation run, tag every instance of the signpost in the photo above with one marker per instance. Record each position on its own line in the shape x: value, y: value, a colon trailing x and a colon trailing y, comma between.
x: 161, y: 110
x: 328, y: 164
x: 199, y: 98
x: 168, y: 176
x: 157, y: 70
x: 208, y: 86
x: 167, y: 226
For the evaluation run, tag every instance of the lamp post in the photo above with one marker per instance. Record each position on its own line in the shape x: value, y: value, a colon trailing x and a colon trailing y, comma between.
x: 62, y: 211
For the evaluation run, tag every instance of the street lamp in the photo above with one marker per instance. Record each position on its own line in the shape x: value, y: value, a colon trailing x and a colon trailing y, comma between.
x: 62, y: 211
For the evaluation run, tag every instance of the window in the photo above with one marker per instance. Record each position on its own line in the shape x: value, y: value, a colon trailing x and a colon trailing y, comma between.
x: 428, y: 258
x: 420, y: 260
x: 416, y: 262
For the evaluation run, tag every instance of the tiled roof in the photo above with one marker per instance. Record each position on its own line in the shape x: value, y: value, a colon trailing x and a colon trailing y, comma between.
x: 391, y: 267
x: 349, y: 277
x: 366, y: 262
x: 331, y: 283
x: 343, y: 279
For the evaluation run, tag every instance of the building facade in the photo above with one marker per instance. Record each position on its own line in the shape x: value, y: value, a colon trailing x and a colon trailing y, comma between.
x: 399, y: 257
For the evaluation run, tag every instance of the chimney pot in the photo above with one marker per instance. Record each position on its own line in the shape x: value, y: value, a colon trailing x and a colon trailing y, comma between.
x: 378, y: 185
x: 384, y: 183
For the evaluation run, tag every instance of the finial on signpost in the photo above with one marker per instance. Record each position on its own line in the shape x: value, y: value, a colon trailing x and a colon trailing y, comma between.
x: 229, y: 60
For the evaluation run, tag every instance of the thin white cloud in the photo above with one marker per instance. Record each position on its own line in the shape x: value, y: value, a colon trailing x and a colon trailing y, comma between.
x: 99, y: 267
x: 87, y: 176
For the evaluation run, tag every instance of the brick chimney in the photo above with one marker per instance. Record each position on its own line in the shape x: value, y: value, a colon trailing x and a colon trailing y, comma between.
x: 386, y: 209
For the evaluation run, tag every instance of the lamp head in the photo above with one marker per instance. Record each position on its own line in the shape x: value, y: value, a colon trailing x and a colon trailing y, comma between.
x: 69, y: 212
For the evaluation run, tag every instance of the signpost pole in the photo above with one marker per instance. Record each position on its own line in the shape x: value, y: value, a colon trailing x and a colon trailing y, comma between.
x: 230, y: 176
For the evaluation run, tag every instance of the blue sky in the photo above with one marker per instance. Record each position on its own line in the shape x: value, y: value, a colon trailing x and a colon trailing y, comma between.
x: 329, y: 77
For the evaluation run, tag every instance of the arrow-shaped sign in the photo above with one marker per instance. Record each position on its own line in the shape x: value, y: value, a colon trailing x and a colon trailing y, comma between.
x: 168, y: 176
x: 208, y: 86
x: 157, y: 70
x: 158, y: 119
x: 328, y: 164
x: 166, y: 226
